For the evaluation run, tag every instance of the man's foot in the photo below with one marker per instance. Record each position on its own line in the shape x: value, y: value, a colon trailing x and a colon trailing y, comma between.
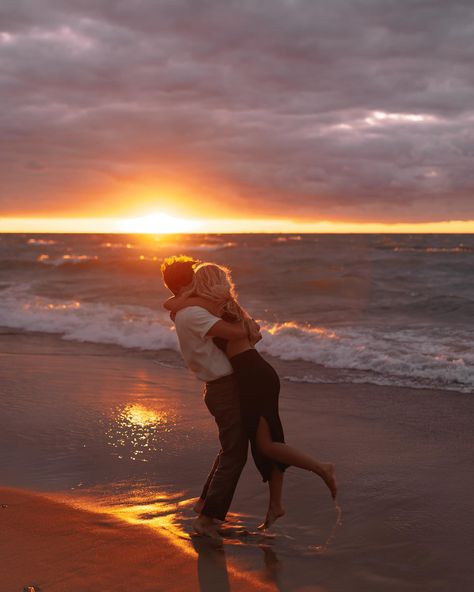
x: 205, y: 527
x: 328, y: 474
x: 272, y: 515
x: 198, y: 506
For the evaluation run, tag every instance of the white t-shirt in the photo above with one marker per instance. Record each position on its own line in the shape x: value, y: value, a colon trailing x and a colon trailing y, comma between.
x: 200, y: 353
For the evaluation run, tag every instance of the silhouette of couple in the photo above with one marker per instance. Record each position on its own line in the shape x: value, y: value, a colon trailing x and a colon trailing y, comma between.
x: 217, y: 339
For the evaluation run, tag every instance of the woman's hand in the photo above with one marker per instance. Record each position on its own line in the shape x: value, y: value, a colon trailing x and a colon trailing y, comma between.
x: 254, y: 334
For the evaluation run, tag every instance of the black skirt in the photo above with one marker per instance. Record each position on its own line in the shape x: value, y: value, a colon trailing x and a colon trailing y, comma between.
x: 259, y: 388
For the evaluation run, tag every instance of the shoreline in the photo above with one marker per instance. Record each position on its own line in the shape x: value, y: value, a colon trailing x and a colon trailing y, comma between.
x: 128, y: 443
x: 56, y: 547
x: 171, y: 358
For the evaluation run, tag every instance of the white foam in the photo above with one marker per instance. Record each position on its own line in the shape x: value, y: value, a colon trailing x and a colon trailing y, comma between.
x: 128, y: 326
x: 40, y: 241
x: 424, y: 356
x: 65, y: 259
x: 440, y: 357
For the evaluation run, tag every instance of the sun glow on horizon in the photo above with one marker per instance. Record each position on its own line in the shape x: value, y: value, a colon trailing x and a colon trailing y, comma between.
x: 166, y: 224
x: 158, y: 223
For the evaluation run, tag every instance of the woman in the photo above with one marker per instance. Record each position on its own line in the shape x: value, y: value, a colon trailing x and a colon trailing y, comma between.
x: 259, y: 386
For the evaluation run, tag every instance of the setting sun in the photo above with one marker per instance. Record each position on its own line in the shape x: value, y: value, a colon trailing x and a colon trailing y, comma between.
x: 158, y: 223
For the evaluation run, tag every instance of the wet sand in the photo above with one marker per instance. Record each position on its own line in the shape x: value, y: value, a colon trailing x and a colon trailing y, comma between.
x: 50, y: 544
x: 123, y: 445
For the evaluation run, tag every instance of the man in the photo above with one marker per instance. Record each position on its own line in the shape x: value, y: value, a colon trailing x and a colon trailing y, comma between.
x: 196, y: 328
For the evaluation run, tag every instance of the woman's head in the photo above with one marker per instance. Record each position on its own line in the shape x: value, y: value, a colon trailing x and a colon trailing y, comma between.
x: 212, y: 281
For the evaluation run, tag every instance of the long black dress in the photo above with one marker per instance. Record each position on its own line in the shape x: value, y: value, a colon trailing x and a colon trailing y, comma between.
x: 259, y: 388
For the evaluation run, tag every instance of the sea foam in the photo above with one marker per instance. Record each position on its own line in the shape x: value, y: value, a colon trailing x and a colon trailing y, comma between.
x: 419, y: 357
x: 124, y: 325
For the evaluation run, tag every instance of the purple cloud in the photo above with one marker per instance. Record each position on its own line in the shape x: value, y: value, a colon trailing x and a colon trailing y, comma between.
x: 355, y: 109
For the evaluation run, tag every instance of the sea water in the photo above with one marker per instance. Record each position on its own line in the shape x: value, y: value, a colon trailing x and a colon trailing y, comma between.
x: 383, y: 309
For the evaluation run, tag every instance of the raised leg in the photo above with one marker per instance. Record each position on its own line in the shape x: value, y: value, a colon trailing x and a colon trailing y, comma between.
x: 292, y: 456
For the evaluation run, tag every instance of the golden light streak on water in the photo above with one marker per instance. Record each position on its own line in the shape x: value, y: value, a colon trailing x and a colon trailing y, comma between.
x: 278, y: 327
x: 53, y: 305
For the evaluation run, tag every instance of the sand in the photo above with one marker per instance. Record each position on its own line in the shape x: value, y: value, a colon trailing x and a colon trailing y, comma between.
x: 58, y: 548
x: 106, y: 450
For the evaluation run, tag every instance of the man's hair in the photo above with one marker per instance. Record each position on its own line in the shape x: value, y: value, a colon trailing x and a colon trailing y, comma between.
x: 178, y: 272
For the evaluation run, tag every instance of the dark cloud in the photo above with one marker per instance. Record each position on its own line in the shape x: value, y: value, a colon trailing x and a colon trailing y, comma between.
x: 354, y: 109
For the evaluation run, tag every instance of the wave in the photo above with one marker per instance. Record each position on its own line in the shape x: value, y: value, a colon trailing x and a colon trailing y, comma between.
x: 458, y: 249
x: 428, y: 356
x: 109, y: 245
x: 441, y: 357
x: 40, y: 241
x: 65, y: 259
x: 124, y: 325
x: 285, y: 239
x: 403, y: 248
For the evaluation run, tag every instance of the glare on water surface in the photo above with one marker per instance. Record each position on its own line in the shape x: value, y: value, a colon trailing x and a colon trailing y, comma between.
x: 136, y: 431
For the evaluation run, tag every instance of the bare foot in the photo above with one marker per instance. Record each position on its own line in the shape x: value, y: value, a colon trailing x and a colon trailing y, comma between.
x: 198, y: 506
x: 327, y: 473
x: 272, y: 515
x: 205, y: 527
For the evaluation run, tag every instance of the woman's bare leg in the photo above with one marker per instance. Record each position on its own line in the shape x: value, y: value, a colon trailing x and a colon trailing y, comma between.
x: 275, y: 507
x: 291, y: 456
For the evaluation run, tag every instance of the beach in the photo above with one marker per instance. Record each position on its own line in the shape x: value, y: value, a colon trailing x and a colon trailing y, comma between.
x: 52, y: 545
x: 304, y: 167
x: 106, y: 448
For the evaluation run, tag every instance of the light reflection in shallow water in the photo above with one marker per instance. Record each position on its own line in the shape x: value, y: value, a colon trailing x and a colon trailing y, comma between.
x: 137, y: 432
x: 170, y: 514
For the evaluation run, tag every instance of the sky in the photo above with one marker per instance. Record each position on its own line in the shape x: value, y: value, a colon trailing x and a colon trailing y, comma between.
x: 304, y: 111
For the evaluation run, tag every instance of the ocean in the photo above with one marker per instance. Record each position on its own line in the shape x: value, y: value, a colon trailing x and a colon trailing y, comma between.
x: 381, y: 309
x: 98, y: 411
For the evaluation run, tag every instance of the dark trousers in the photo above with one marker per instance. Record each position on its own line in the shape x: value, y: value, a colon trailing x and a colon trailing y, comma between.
x: 222, y: 400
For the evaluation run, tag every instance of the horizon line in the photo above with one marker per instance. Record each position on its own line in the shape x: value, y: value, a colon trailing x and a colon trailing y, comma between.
x: 164, y: 224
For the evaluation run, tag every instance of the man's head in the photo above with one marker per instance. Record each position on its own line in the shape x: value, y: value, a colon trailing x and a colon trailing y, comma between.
x: 178, y: 272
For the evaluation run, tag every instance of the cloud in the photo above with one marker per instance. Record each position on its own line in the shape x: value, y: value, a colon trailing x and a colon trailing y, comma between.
x: 355, y: 109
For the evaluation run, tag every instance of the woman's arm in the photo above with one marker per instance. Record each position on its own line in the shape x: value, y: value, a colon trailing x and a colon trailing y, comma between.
x: 232, y: 311
x: 251, y: 325
x: 169, y: 304
x: 229, y: 331
x: 224, y: 329
x: 176, y: 303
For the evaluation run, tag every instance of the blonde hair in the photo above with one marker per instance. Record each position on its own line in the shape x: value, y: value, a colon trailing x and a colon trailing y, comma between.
x: 214, y: 282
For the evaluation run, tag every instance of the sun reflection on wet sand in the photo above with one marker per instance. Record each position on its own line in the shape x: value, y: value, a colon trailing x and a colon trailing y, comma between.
x: 137, y: 431
x: 139, y: 415
x: 171, y: 515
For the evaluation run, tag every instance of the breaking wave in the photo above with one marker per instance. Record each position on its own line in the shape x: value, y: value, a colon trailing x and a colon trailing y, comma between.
x: 441, y: 357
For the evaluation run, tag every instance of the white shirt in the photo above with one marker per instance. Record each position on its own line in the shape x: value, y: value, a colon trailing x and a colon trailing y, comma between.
x: 200, y: 353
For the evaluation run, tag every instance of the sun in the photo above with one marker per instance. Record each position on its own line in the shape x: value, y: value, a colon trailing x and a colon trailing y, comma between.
x: 157, y: 223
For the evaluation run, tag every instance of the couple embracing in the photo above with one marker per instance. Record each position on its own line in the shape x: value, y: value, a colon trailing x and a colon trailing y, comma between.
x: 217, y: 339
